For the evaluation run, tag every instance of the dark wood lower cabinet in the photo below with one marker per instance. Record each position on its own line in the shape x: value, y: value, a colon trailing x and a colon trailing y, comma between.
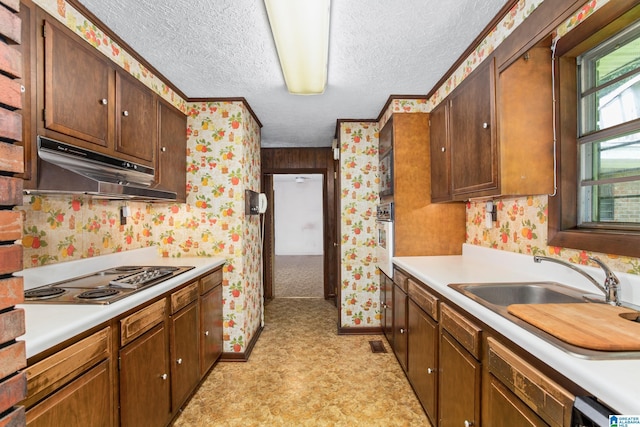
x: 210, y: 328
x: 459, y: 390
x: 400, y: 334
x: 185, y: 362
x: 144, y: 381
x: 504, y: 409
x: 386, y: 306
x: 423, y: 358
x: 85, y: 402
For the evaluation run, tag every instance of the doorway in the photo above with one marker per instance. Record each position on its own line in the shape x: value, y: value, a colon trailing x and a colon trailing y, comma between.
x: 294, y: 162
x: 298, y: 236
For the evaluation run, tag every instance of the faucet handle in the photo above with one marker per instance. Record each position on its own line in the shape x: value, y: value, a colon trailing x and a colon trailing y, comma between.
x: 611, y: 283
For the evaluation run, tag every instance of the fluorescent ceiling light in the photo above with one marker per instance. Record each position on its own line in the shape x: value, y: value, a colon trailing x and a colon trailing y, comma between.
x: 301, y: 32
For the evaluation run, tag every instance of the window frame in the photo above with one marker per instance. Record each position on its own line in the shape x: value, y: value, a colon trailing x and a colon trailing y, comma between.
x: 563, y: 230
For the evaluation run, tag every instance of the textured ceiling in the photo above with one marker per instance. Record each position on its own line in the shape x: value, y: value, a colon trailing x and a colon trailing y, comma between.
x: 224, y: 48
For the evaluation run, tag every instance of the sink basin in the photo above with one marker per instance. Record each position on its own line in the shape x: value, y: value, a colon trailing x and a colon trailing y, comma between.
x: 498, y: 296
x: 504, y: 294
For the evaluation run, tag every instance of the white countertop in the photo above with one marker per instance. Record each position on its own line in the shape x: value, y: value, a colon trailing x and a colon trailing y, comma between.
x: 615, y: 382
x: 51, y: 324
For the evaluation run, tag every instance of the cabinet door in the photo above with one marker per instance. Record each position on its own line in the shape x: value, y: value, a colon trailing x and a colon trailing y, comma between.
x: 172, y: 152
x: 474, y: 159
x: 85, y: 402
x: 440, y: 154
x: 504, y: 409
x: 422, y: 357
x: 144, y: 381
x: 136, y: 120
x: 78, y: 89
x: 386, y: 306
x: 400, y: 325
x: 210, y: 328
x: 185, y: 353
x: 459, y: 388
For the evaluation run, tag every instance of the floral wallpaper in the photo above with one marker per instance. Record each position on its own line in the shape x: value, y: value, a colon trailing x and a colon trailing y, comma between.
x: 222, y: 160
x: 522, y: 227
x: 360, y: 182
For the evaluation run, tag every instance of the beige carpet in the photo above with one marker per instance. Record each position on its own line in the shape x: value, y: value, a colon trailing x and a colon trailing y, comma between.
x: 298, y: 276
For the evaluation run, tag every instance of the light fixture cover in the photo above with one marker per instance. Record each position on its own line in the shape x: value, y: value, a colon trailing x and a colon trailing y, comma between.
x: 301, y: 33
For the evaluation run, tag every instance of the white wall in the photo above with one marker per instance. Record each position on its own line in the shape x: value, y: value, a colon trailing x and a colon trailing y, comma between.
x: 298, y: 214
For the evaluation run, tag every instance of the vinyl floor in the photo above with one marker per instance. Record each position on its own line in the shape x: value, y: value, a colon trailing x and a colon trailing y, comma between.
x: 302, y: 373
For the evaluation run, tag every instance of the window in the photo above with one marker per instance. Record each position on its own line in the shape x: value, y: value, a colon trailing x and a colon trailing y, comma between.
x: 597, y: 85
x: 608, y: 137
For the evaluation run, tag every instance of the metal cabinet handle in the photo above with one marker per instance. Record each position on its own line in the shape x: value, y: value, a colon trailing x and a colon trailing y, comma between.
x: 125, y: 113
x: 103, y: 101
x: 443, y: 149
x: 485, y: 125
x: 429, y: 371
x: 179, y: 361
x: 163, y: 149
x: 206, y: 333
x: 468, y: 423
x: 402, y: 330
x: 163, y: 376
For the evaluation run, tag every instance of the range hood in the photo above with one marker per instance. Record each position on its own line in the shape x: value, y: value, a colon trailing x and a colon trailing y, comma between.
x: 65, y: 169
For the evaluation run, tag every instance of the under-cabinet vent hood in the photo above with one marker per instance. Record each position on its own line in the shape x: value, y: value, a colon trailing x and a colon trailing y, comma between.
x: 65, y: 169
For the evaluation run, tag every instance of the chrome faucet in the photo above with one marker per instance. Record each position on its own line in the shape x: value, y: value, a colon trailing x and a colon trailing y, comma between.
x: 611, y: 286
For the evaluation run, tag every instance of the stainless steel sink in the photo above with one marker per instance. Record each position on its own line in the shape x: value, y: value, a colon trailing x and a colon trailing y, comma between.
x: 504, y: 294
x: 498, y: 296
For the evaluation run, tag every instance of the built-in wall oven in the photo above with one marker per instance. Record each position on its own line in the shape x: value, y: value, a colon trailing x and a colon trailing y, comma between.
x: 384, y: 246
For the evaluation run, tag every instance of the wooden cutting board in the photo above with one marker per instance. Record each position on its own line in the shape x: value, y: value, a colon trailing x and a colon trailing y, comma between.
x: 588, y: 325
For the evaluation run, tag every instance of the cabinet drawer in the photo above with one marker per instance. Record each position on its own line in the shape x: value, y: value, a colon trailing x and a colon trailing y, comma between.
x: 184, y: 297
x: 465, y: 332
x: 53, y: 372
x: 141, y: 321
x: 427, y: 301
x: 210, y: 281
x: 400, y: 279
x: 546, y: 398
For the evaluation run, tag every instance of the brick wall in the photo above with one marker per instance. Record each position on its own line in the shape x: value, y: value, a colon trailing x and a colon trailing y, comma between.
x: 13, y: 384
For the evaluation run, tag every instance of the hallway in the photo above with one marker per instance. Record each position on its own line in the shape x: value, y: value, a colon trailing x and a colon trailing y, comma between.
x: 301, y: 373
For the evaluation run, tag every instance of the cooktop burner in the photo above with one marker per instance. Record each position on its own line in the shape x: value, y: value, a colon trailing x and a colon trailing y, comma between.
x: 103, y: 287
x: 43, y: 293
x: 98, y: 293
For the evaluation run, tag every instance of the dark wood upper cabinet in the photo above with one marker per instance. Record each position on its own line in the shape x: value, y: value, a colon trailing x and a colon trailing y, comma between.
x: 171, y: 173
x: 136, y: 119
x: 87, y: 101
x: 474, y: 153
x: 440, y: 154
x: 78, y: 90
